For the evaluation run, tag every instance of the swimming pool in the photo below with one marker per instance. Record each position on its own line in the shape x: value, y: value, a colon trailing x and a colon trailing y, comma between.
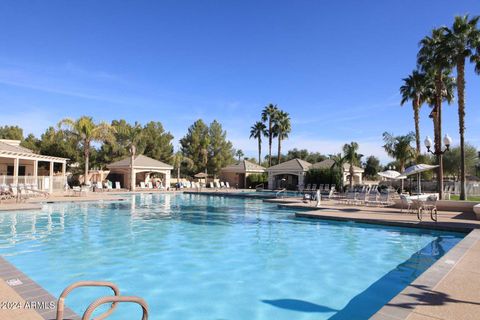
x: 208, y: 257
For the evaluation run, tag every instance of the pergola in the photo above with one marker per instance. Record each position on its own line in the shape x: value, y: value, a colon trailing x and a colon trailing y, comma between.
x: 21, y: 165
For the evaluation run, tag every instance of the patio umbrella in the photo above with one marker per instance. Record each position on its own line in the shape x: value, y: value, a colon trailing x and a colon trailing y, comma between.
x: 417, y: 169
x: 201, y: 175
x: 390, y: 174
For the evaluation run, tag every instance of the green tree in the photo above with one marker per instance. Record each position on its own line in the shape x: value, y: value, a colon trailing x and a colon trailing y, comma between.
x: 31, y: 143
x: 338, y: 162
x: 11, y: 133
x: 415, y: 89
x: 399, y: 148
x: 194, y: 145
x: 220, y: 150
x: 352, y: 157
x: 178, y: 160
x: 86, y: 131
x: 132, y: 137
x: 239, y: 154
x: 157, y: 143
x: 56, y: 143
x: 268, y: 115
x: 372, y: 167
x: 282, y: 128
x: 452, y: 163
x: 433, y: 59
x: 257, y: 131
x: 461, y: 41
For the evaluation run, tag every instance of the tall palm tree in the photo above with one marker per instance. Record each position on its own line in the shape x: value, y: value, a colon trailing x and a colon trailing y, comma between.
x: 86, y: 131
x: 257, y: 131
x: 239, y: 154
x: 399, y: 148
x: 338, y: 162
x: 282, y: 128
x: 268, y: 114
x: 415, y: 89
x: 132, y: 137
x: 352, y: 157
x: 461, y: 40
x: 178, y: 159
x: 432, y: 58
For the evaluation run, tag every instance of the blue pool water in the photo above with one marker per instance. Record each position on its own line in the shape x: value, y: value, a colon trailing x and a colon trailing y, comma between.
x: 200, y: 257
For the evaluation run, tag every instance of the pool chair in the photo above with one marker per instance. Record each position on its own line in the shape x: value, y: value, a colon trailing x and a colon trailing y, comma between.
x: 142, y: 185
x: 222, y: 185
x: 314, y: 187
x: 98, y: 187
x: 308, y: 188
x: 372, y: 198
x: 210, y: 184
x: 150, y: 185
x: 227, y: 185
x: 321, y: 186
x: 217, y: 185
x: 361, y: 198
x: 117, y: 185
x: 430, y: 205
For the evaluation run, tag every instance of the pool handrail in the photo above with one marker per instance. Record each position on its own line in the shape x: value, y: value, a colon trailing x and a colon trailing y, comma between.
x: 278, y: 192
x: 114, y: 300
x: 78, y: 284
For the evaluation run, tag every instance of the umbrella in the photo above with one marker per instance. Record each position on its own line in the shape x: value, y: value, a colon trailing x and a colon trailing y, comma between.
x: 391, y: 174
x: 201, y: 175
x: 417, y: 169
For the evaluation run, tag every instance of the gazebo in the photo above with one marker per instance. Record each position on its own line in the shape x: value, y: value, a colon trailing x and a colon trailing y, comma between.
x: 288, y: 174
x: 21, y: 165
x: 143, y: 168
x: 236, y: 174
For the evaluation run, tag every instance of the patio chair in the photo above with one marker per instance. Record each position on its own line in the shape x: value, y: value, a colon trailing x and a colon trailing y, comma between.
x: 321, y: 186
x: 117, y: 185
x: 314, y: 187
x: 150, y: 185
x: 406, y: 204
x: 222, y: 185
x: 142, y: 185
x: 372, y: 198
x: 361, y: 198
x: 430, y: 205
x: 98, y: 187
x: 210, y: 185
x: 328, y: 195
x: 308, y: 188
x: 227, y: 185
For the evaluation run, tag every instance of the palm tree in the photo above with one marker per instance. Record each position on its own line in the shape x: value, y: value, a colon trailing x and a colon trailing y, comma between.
x: 86, y: 131
x: 433, y: 59
x: 415, y: 89
x: 132, y: 137
x: 399, y: 148
x: 257, y: 131
x: 282, y: 128
x: 239, y: 154
x: 268, y: 114
x: 351, y: 156
x: 338, y: 162
x: 461, y: 40
x: 178, y: 159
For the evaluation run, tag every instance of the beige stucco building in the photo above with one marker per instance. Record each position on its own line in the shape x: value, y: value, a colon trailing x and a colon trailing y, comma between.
x: 236, y: 174
x: 288, y: 174
x: 143, y: 169
x: 22, y: 165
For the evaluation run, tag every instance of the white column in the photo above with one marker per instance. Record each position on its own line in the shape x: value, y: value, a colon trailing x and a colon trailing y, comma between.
x: 64, y: 177
x: 35, y: 172
x: 50, y: 188
x: 16, y: 163
x: 167, y: 179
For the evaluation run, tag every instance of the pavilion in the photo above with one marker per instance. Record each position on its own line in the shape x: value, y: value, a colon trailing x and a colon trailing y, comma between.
x: 236, y: 174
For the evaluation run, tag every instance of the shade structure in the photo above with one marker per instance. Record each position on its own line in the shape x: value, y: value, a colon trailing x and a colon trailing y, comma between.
x: 417, y: 169
x: 391, y: 174
x: 201, y: 175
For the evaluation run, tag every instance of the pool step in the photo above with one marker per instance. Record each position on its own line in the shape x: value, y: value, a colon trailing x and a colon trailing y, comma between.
x: 114, y: 300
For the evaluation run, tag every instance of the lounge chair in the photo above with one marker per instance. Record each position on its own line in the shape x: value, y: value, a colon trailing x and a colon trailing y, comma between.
x: 117, y: 185
x: 150, y: 185
x: 98, y: 187
x: 430, y: 204
x: 227, y: 185
x: 222, y: 184
x: 211, y: 185
x: 217, y: 185
x: 142, y: 185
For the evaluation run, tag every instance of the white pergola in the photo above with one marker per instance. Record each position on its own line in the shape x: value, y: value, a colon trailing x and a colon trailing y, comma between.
x: 14, y: 157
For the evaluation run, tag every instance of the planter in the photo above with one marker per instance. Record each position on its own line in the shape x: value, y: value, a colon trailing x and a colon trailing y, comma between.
x: 476, y: 210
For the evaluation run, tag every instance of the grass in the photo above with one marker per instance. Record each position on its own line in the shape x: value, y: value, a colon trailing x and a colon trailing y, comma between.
x: 471, y: 198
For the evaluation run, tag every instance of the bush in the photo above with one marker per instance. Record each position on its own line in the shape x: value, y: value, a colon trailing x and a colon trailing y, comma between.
x: 256, y: 179
x: 324, y: 176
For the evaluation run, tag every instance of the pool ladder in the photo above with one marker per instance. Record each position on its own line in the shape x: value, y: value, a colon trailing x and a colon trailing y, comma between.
x: 114, y: 300
x: 277, y: 195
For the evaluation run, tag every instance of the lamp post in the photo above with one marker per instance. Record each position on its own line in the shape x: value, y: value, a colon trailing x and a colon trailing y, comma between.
x: 447, y: 141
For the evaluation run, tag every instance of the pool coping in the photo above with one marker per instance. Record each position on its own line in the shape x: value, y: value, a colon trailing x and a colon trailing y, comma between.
x: 30, y: 291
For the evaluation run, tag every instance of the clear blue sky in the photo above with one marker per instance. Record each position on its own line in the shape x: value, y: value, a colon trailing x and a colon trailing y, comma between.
x: 335, y: 66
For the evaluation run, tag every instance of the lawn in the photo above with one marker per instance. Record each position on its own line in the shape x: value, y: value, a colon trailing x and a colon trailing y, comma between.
x: 471, y: 198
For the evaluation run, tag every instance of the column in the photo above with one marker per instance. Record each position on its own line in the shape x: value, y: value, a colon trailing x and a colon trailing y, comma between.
x: 16, y: 163
x: 167, y: 179
x: 50, y: 187
x: 35, y: 172
x: 64, y: 177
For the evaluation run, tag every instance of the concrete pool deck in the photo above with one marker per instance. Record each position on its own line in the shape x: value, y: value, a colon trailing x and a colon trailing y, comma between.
x: 450, y: 289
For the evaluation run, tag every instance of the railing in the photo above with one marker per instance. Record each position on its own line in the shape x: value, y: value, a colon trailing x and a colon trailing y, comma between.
x: 42, y: 182
x: 115, y: 299
x: 277, y: 195
x: 259, y: 185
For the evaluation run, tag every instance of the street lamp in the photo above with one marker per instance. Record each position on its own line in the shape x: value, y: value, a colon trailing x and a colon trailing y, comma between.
x: 447, y: 141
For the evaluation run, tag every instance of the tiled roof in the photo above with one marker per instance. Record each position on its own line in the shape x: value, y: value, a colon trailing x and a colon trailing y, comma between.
x: 328, y: 163
x: 244, y: 166
x: 294, y: 164
x: 140, y: 161
x: 13, y: 148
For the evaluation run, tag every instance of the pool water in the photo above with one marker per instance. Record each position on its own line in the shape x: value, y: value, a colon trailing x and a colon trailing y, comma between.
x: 210, y: 257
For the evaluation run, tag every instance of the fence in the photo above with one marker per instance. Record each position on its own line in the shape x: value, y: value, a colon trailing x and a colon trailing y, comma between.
x: 42, y: 182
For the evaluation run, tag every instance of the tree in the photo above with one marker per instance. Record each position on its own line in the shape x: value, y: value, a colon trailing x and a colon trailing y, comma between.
x: 239, y: 154
x: 452, y: 163
x: 282, y: 128
x: 257, y: 131
x: 157, y: 142
x: 86, y: 131
x: 31, y: 143
x: 372, y: 167
x: 11, y: 133
x: 433, y: 59
x: 268, y: 114
x: 399, y: 148
x: 415, y: 89
x: 351, y: 156
x: 194, y: 145
x: 58, y: 143
x: 131, y: 137
x: 220, y: 150
x: 178, y: 159
x: 338, y: 162
x: 460, y: 41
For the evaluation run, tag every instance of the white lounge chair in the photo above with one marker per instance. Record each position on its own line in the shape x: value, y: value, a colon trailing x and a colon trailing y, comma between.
x: 142, y: 185
x: 227, y: 185
x: 150, y: 185
x: 117, y: 185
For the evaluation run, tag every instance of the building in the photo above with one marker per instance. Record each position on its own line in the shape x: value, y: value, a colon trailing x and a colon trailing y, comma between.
x: 288, y: 174
x: 21, y: 165
x: 236, y: 174
x: 144, y: 169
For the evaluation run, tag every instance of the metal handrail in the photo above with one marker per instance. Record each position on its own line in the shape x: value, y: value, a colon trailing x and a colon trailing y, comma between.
x: 70, y: 288
x: 259, y: 185
x: 283, y: 190
x: 115, y: 299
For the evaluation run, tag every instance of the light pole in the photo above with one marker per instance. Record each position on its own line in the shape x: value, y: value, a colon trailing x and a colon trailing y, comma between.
x: 447, y: 141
